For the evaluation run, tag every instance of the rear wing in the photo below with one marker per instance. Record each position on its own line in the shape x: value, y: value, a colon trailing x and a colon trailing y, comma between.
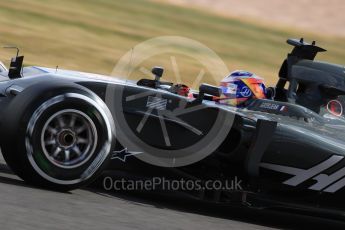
x: 310, y: 82
x: 304, y: 50
x: 301, y: 51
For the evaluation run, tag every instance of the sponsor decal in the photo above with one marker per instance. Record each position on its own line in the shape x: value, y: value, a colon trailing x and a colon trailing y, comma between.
x: 283, y: 109
x: 230, y: 89
x: 123, y: 154
x: 156, y: 103
x: 245, y: 92
x: 323, y: 182
x: 273, y: 106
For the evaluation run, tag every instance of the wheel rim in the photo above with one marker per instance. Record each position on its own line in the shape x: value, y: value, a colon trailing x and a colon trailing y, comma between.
x: 69, y: 138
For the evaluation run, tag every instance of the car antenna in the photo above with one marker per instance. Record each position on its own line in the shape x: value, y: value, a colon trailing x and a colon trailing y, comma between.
x: 12, y: 47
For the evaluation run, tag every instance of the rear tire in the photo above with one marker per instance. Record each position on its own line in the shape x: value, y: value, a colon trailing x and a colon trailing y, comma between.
x: 60, y: 141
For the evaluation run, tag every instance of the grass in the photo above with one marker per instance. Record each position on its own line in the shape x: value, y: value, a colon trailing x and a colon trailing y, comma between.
x: 92, y: 35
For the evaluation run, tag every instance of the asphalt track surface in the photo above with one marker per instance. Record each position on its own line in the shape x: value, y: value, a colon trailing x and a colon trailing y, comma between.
x: 23, y: 207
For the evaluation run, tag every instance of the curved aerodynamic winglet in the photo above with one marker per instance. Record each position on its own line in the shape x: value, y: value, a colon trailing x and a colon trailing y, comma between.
x: 262, y: 138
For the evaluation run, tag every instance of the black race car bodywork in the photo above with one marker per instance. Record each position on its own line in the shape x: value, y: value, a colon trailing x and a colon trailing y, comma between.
x: 59, y: 129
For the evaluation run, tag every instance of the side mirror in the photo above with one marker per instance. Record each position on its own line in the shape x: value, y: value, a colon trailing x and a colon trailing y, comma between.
x: 210, y: 89
x: 207, y: 89
x: 158, y: 72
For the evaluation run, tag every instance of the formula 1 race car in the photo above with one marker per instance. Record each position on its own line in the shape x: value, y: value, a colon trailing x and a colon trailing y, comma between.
x: 61, y: 129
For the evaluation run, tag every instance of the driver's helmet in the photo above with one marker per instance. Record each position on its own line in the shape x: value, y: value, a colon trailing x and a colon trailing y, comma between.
x: 241, y: 86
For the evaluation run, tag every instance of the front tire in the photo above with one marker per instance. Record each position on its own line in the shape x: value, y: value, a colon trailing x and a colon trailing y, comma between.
x: 61, y: 141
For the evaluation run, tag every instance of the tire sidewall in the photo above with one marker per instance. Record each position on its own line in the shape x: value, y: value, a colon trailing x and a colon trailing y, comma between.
x: 24, y: 125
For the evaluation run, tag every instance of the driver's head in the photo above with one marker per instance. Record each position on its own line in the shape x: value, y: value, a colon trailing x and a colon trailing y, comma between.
x: 241, y: 86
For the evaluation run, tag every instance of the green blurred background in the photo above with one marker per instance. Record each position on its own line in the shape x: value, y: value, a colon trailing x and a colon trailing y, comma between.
x: 91, y: 36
